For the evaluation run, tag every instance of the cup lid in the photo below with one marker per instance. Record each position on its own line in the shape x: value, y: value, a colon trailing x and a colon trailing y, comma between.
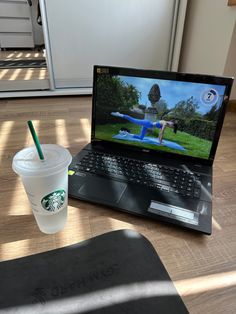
x: 27, y: 163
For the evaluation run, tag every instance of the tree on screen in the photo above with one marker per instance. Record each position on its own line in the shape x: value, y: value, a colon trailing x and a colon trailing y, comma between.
x: 115, y: 94
x: 186, y: 109
x: 212, y: 114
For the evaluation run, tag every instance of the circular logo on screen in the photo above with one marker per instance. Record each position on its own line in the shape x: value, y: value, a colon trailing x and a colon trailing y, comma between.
x: 54, y: 201
x: 210, y: 97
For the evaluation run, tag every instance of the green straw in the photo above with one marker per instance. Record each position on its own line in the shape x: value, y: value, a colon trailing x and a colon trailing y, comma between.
x: 36, y: 140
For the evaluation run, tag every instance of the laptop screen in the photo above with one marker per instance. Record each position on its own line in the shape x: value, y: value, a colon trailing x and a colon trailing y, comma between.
x: 156, y: 112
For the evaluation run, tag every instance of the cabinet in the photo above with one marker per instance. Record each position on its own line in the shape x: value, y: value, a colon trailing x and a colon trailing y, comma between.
x: 15, y: 24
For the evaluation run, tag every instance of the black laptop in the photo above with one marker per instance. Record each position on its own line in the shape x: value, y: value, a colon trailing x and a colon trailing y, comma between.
x: 153, y: 141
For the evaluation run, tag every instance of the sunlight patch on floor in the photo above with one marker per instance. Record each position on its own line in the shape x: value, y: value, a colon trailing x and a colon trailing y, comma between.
x: 11, y: 250
x: 86, y: 127
x: 5, y: 132
x: 206, y: 283
x: 61, y: 132
x: 15, y: 74
x: 3, y: 73
x: 10, y: 55
x: 28, y: 74
x: 42, y: 74
x: 215, y: 224
x: 115, y: 224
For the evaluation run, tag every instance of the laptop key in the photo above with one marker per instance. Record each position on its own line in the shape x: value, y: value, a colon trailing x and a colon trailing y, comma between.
x: 154, y: 176
x: 197, y: 193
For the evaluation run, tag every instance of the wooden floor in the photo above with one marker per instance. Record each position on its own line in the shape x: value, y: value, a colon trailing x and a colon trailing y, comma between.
x: 10, y: 54
x: 13, y: 79
x: 203, y: 268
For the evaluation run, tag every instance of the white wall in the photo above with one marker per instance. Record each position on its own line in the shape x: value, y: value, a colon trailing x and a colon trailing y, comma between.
x: 207, y: 38
x: 230, y: 66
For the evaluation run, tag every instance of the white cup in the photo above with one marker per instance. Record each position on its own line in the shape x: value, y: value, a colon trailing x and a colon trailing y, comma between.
x: 45, y: 183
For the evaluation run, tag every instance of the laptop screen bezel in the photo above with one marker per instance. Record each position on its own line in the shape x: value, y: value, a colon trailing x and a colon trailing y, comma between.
x: 178, y: 76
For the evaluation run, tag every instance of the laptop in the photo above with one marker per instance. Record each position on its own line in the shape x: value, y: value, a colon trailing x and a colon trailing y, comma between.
x: 154, y: 136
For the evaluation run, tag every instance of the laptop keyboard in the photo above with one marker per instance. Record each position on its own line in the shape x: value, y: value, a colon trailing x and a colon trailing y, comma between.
x: 154, y: 176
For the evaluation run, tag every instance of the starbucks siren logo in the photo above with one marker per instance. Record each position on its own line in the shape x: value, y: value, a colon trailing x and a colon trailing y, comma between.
x: 54, y: 201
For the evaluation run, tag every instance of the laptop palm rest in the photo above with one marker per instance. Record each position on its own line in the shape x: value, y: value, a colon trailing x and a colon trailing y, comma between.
x: 102, y: 189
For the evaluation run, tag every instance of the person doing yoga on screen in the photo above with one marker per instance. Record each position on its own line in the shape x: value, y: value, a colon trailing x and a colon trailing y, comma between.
x: 147, y: 124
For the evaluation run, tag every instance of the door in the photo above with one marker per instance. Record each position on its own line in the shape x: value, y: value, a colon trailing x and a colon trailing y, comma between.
x: 134, y: 33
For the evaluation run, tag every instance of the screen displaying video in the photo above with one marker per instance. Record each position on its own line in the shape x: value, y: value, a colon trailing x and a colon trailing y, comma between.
x: 158, y: 114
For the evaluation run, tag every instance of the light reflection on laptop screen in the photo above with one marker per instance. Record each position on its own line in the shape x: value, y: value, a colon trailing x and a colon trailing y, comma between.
x: 158, y: 114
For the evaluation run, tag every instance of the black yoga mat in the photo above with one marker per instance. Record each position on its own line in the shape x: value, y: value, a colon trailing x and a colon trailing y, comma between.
x: 23, y: 64
x: 117, y: 272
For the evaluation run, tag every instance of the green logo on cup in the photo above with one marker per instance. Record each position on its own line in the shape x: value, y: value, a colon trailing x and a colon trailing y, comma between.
x: 54, y: 201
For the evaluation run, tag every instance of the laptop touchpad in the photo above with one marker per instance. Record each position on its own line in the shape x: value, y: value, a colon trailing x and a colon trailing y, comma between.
x: 103, y: 189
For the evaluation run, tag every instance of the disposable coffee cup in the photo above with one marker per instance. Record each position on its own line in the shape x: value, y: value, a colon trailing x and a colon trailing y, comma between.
x: 45, y: 183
